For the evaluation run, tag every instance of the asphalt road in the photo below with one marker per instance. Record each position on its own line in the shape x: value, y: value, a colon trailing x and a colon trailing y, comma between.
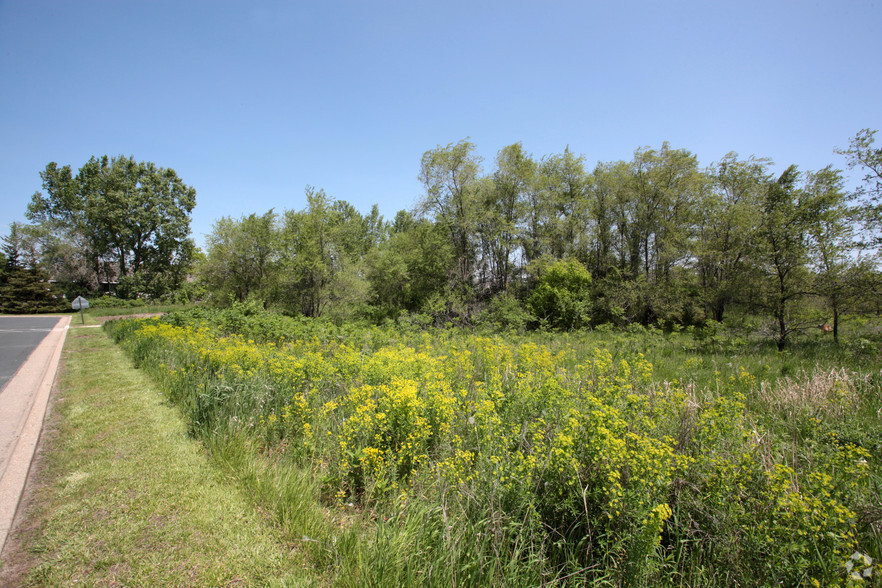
x: 19, y: 336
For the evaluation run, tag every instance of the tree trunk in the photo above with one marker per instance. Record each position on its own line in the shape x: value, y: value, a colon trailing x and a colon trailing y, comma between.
x: 835, y: 323
x: 719, y: 307
x: 782, y: 330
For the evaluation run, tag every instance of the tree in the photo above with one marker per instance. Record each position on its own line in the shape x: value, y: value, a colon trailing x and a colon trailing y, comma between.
x: 565, y: 189
x: 242, y: 260
x: 24, y: 285
x: 135, y: 214
x: 607, y: 181
x: 862, y: 154
x: 831, y: 236
x: 66, y: 259
x: 556, y: 209
x: 28, y: 291
x: 410, y: 268
x: 450, y: 177
x: 782, y: 251
x: 311, y: 254
x: 651, y: 200
x: 726, y: 224
x: 322, y: 247
x: 12, y: 258
x: 503, y: 203
x: 22, y: 246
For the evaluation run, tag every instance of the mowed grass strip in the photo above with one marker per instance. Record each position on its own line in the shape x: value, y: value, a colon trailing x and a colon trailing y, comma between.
x: 124, y: 497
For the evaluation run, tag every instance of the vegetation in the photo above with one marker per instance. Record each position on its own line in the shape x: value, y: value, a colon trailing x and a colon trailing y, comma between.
x: 660, y: 242
x: 24, y: 289
x: 662, y: 409
x: 127, y: 499
x: 115, y: 221
x: 593, y: 458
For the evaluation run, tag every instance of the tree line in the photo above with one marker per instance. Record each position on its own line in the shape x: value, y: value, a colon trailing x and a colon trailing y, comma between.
x: 531, y: 242
x: 549, y: 242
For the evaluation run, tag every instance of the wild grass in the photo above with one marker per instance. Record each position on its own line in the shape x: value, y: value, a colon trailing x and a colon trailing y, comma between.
x: 598, y: 458
x: 128, y: 309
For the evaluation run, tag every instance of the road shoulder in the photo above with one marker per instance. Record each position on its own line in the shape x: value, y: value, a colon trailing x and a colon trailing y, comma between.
x: 26, y: 396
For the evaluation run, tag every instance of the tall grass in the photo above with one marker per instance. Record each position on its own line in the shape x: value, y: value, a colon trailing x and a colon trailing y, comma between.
x: 410, y: 458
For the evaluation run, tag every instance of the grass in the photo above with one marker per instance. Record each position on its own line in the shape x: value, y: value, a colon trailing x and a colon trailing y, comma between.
x: 126, y: 310
x: 126, y: 498
x: 729, y: 464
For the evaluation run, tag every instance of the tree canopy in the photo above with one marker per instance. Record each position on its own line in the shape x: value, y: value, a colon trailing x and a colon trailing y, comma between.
x: 542, y: 241
x: 130, y: 219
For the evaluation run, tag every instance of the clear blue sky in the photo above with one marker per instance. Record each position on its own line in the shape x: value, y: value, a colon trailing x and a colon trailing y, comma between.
x: 252, y: 101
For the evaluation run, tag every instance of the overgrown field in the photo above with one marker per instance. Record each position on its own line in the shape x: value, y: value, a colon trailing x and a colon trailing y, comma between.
x: 451, y: 459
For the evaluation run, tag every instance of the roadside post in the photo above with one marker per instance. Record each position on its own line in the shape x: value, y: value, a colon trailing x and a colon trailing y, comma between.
x: 80, y: 304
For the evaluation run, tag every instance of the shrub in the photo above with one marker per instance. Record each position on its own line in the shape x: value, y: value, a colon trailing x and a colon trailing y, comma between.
x: 561, y: 298
x: 504, y: 313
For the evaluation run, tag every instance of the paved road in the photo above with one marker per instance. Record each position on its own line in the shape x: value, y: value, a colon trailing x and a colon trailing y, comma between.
x: 29, y: 351
x: 19, y: 336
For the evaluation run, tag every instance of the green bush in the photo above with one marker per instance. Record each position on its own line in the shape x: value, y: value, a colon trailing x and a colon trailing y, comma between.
x: 504, y: 313
x: 562, y: 297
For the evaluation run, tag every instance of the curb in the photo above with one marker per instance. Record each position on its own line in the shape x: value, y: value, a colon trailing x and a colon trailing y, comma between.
x: 35, y: 377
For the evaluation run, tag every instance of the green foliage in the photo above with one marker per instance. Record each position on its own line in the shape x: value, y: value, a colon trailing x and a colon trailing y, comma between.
x: 862, y: 154
x: 450, y: 176
x: 25, y: 286
x: 321, y: 250
x: 107, y: 301
x: 727, y: 224
x: 562, y: 296
x: 570, y: 458
x: 665, y: 242
x: 503, y: 202
x: 136, y: 215
x: 188, y: 292
x: 782, y: 252
x: 412, y: 265
x: 504, y: 314
x: 28, y: 291
x: 242, y: 258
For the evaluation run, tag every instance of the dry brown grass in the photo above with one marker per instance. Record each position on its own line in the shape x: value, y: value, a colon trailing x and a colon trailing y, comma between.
x: 827, y: 391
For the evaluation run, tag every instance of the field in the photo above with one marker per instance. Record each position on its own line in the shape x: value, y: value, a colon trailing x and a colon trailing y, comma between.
x: 395, y: 457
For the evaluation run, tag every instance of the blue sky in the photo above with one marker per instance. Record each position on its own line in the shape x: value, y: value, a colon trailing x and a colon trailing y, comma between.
x: 250, y: 102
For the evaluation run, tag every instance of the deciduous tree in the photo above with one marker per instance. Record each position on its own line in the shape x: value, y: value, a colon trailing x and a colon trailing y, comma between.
x: 726, y: 223
x: 863, y: 155
x: 450, y: 177
x: 135, y: 213
x: 831, y: 237
x: 781, y: 251
x: 503, y: 204
x: 242, y: 260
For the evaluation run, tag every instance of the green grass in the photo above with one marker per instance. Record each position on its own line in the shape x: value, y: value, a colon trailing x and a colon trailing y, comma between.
x: 737, y: 464
x: 127, y: 310
x: 126, y: 498
x: 130, y: 499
